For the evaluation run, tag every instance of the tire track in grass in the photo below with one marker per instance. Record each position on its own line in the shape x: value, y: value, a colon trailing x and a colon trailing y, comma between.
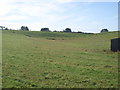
x: 22, y: 82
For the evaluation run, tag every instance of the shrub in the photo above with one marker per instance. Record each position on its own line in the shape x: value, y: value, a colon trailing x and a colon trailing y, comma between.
x: 67, y: 30
x: 104, y: 30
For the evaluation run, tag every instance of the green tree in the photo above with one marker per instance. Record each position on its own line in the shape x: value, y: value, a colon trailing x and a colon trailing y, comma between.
x: 104, y: 30
x: 45, y: 29
x: 24, y: 28
x: 67, y: 30
x: 2, y: 27
x: 6, y: 29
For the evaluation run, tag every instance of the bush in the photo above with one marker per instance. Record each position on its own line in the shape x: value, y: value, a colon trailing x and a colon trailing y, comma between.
x: 104, y: 30
x: 24, y: 28
x: 67, y: 30
x: 45, y: 29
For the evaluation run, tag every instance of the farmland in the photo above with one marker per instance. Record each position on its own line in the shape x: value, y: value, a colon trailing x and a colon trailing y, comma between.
x: 34, y: 59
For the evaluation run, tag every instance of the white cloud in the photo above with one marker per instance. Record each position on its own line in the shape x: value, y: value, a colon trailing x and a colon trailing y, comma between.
x: 22, y: 10
x: 6, y: 7
x: 64, y: 1
x: 13, y: 17
x: 41, y: 13
x: 36, y: 10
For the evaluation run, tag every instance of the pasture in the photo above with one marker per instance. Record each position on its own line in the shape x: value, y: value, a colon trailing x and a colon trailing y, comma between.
x: 34, y: 59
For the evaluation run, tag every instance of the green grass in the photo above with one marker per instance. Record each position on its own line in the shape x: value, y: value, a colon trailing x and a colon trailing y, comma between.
x: 32, y: 59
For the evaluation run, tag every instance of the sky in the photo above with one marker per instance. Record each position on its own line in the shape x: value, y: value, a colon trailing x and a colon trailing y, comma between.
x: 87, y: 16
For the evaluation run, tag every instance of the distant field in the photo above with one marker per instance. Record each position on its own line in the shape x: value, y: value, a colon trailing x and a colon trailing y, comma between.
x: 58, y: 60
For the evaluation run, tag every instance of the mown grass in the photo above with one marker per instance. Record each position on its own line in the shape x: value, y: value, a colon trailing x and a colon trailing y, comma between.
x: 70, y: 60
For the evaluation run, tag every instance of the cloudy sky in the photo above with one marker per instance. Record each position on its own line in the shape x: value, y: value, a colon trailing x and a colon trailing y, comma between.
x: 87, y: 16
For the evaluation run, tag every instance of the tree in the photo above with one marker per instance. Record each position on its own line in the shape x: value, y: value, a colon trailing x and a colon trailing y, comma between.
x: 24, y: 28
x: 80, y: 32
x: 45, y: 29
x: 104, y: 30
x: 2, y: 27
x: 67, y: 30
x: 54, y: 31
x: 6, y: 29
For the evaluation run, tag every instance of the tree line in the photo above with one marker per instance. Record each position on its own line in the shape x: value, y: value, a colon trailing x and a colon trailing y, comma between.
x: 25, y: 28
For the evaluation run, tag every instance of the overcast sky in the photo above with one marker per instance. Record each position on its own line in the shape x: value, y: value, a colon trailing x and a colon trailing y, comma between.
x: 57, y: 15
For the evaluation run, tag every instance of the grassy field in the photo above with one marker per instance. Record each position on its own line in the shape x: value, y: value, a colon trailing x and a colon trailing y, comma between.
x: 32, y: 59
